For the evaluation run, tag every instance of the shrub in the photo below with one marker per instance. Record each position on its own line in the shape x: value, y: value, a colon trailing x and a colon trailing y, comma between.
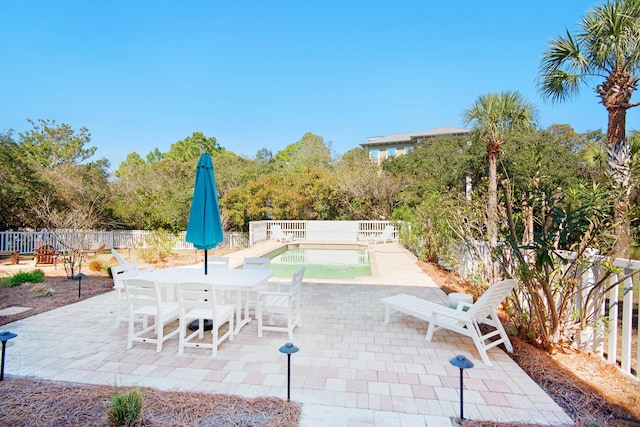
x: 157, y: 246
x: 96, y: 265
x: 43, y: 291
x: 125, y: 409
x: 35, y: 276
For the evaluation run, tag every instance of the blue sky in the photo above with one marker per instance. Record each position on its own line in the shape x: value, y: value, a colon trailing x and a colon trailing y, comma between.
x: 254, y: 74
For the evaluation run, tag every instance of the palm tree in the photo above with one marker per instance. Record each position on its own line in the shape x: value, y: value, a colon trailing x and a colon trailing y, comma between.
x: 493, y: 116
x: 607, y: 47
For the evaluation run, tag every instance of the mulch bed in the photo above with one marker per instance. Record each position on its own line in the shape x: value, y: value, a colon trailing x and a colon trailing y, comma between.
x: 28, y: 402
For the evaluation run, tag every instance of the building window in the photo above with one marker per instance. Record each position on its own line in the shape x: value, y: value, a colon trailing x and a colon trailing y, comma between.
x: 374, y: 155
x: 391, y: 153
x: 408, y: 149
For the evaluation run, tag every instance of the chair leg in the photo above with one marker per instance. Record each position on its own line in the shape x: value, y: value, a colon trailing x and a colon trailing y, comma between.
x: 182, y: 336
x: 259, y: 316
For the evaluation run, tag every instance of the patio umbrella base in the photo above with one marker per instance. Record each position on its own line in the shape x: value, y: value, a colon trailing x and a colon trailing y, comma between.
x: 208, y: 325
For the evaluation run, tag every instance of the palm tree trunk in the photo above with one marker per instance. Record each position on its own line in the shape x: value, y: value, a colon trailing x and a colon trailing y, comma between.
x: 618, y: 161
x: 492, y: 206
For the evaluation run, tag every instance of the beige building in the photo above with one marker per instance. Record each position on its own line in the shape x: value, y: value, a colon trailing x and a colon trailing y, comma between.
x: 380, y: 148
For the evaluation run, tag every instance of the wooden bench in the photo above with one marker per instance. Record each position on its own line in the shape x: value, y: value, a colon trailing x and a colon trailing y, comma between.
x: 13, y: 255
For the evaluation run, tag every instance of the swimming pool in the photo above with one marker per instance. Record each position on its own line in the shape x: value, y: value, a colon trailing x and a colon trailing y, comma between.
x: 330, y: 262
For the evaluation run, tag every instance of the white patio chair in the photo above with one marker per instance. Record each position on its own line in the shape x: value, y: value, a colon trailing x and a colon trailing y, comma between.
x: 197, y: 301
x: 255, y: 263
x: 278, y: 235
x: 217, y: 262
x: 118, y: 274
x: 458, y: 320
x: 143, y: 297
x: 283, y: 303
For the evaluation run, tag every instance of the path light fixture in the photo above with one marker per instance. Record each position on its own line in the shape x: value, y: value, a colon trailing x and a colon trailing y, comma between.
x: 4, y: 337
x: 79, y: 276
x: 289, y: 349
x: 462, y: 363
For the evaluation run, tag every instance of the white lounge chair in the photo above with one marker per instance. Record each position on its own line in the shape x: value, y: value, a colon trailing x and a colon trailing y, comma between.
x: 198, y: 301
x: 278, y: 235
x: 118, y: 257
x: 387, y: 235
x: 144, y: 301
x: 283, y: 302
x: 457, y: 320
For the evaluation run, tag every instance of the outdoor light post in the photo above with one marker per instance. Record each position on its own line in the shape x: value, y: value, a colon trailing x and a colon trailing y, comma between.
x: 289, y: 349
x: 4, y: 337
x: 79, y: 276
x: 463, y: 363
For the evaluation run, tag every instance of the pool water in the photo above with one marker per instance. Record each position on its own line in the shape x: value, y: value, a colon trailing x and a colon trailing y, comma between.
x: 325, y: 263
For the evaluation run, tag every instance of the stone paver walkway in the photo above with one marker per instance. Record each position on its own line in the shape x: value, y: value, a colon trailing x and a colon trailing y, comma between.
x: 352, y: 368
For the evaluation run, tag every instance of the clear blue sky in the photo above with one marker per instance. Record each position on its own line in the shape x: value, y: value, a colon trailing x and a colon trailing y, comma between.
x: 254, y: 74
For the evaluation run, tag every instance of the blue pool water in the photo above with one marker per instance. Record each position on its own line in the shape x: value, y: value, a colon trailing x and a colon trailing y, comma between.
x: 321, y: 263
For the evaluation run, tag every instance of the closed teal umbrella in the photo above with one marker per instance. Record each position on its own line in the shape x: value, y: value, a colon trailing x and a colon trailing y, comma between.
x: 204, y: 229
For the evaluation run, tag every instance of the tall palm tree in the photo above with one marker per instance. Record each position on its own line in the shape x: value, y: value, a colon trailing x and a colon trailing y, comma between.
x: 493, y: 116
x: 606, y: 47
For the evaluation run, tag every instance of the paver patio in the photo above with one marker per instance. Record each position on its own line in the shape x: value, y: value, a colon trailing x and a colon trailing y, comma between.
x: 352, y: 368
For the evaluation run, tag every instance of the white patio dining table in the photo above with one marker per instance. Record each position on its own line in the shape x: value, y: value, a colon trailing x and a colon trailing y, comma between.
x: 239, y: 281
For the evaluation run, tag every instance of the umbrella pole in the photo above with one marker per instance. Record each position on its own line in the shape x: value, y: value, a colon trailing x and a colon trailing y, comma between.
x: 205, y: 261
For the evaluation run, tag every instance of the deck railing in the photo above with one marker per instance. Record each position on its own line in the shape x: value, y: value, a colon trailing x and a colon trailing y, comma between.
x: 350, y: 231
x: 613, y: 331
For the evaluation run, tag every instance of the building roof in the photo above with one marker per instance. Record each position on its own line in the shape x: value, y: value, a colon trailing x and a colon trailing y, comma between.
x: 412, y: 136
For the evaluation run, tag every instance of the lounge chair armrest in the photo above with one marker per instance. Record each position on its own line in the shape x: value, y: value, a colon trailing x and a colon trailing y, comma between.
x: 462, y: 305
x: 452, y: 314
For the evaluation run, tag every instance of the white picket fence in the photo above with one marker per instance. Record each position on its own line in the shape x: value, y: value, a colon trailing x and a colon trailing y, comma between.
x: 607, y: 329
x: 25, y: 241
x: 614, y: 327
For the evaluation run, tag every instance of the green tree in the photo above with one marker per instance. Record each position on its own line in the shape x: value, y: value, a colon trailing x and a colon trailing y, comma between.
x: 310, y: 150
x: 605, y: 47
x: 192, y: 147
x: 493, y: 116
x: 59, y: 155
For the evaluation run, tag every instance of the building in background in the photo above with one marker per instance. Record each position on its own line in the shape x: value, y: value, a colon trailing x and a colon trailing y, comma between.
x: 381, y: 148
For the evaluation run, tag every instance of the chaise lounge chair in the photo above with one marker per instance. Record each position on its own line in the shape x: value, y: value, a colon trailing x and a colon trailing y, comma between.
x: 457, y: 320
x: 387, y: 235
x: 278, y: 235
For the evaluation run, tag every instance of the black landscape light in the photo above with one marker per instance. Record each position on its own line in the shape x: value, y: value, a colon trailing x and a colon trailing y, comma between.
x: 4, y: 337
x: 462, y: 363
x: 289, y: 349
x: 79, y: 276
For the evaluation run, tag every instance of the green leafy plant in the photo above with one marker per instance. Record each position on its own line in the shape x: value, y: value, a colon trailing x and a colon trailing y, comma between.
x: 125, y: 410
x: 35, y: 276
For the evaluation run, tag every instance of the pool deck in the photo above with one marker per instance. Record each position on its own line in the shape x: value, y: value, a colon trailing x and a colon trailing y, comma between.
x: 352, y: 369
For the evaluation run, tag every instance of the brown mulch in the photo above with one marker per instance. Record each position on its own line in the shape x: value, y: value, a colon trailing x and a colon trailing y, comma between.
x: 27, y: 402
x: 591, y: 391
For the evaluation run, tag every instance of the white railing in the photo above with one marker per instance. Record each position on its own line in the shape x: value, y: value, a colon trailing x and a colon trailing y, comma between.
x: 613, y: 328
x: 353, y: 231
x: 25, y: 241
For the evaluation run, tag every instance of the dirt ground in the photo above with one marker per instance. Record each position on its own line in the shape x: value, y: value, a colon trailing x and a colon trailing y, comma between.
x: 588, y: 389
